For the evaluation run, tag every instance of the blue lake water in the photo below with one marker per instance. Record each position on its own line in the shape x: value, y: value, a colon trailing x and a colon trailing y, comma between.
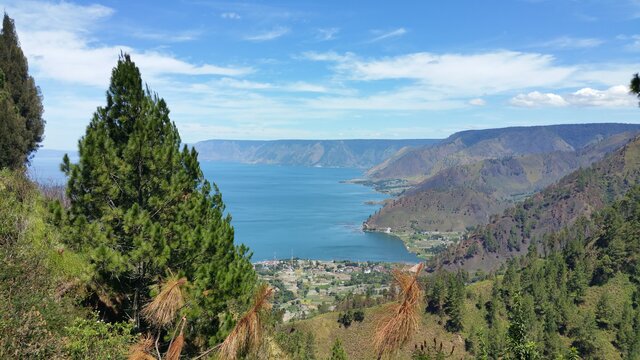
x: 283, y: 211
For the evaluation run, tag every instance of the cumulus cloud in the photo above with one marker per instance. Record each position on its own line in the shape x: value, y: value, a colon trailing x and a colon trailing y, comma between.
x: 538, y: 99
x: 269, y: 35
x: 615, y: 96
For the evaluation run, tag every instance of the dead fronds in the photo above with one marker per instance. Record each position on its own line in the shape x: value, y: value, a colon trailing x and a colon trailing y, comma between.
x: 246, y: 336
x: 175, y: 349
x: 402, y: 318
x: 162, y: 310
x: 142, y: 349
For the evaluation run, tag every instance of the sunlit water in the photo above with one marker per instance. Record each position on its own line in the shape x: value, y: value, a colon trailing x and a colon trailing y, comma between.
x: 284, y: 211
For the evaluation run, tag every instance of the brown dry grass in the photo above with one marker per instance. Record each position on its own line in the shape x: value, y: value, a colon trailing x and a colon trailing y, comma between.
x: 246, y: 336
x: 142, y: 349
x: 402, y: 318
x: 163, y: 309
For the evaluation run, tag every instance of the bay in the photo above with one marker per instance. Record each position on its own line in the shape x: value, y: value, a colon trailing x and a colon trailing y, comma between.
x: 287, y: 211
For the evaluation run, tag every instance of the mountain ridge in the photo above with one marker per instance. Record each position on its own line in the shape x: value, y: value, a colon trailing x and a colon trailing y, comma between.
x: 466, y: 195
x: 470, y: 146
x: 357, y: 153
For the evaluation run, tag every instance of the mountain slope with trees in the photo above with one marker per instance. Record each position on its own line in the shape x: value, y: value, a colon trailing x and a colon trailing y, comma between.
x: 575, y: 197
x: 464, y: 196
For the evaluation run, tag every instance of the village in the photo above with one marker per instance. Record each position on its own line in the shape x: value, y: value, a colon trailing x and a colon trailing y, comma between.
x: 308, y: 287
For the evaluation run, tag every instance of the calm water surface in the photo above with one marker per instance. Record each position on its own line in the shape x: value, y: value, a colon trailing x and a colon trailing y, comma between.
x: 283, y: 211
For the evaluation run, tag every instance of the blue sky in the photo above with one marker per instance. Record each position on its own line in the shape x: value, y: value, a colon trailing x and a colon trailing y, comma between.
x: 338, y: 69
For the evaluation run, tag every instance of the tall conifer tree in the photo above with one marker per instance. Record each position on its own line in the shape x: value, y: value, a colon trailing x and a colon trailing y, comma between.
x: 141, y: 207
x: 20, y: 104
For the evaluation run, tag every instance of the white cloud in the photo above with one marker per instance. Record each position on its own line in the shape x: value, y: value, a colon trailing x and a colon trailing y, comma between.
x: 456, y: 74
x: 328, y: 56
x: 327, y: 34
x: 568, y: 42
x: 633, y: 42
x: 477, y: 102
x: 66, y: 16
x: 59, y: 46
x: 269, y: 35
x: 412, y: 98
x: 615, y: 96
x: 166, y: 37
x: 538, y: 99
x: 389, y: 34
x: 230, y: 15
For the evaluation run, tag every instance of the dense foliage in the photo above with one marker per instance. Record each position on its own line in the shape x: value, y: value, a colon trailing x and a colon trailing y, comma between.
x: 142, y: 210
x: 21, y: 123
x: 41, y: 282
x: 551, y: 303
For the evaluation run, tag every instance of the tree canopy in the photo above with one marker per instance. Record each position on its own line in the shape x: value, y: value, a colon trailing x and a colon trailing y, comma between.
x: 21, y: 123
x: 142, y: 209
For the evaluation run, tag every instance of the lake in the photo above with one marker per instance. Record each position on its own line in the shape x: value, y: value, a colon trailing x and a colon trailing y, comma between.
x: 284, y: 211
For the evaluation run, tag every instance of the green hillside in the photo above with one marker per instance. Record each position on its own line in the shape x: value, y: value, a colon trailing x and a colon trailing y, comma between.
x: 577, y: 195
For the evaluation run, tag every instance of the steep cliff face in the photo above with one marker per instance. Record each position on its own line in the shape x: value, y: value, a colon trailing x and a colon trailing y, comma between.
x: 326, y: 153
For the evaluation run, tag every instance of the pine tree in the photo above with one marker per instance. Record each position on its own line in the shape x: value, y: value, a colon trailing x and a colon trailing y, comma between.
x: 625, y: 335
x: 141, y: 208
x: 21, y: 107
x: 12, y: 152
x: 454, y: 303
x: 604, y: 311
x: 337, y: 352
x: 585, y: 336
x: 634, y: 85
x: 518, y: 344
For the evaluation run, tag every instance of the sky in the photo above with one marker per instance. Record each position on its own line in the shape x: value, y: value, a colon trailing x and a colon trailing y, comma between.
x: 337, y: 69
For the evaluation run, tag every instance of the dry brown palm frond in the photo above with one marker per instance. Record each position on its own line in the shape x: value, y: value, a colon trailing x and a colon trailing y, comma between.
x: 246, y: 336
x: 162, y: 310
x: 402, y: 317
x: 175, y: 349
x: 142, y: 349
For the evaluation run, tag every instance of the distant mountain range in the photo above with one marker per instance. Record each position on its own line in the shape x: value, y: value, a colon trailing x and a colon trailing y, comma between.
x: 471, y: 175
x: 467, y: 147
x: 324, y: 153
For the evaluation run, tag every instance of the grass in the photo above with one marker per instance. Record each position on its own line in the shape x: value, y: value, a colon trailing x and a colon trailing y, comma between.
x: 357, y: 339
